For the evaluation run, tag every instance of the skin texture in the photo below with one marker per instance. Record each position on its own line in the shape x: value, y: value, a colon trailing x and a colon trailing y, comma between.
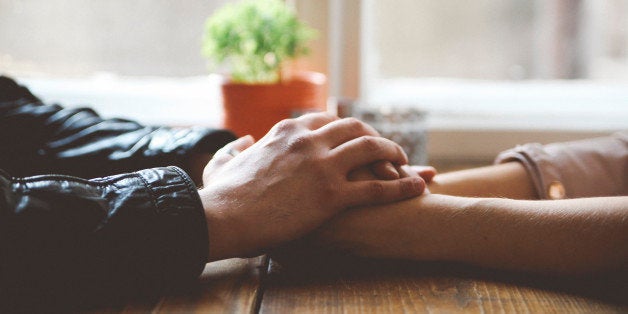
x: 562, y: 237
x: 507, y: 180
x: 294, y: 179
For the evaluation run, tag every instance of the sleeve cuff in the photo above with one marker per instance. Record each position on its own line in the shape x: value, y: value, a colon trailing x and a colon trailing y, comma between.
x: 178, y: 234
x: 587, y: 168
x: 540, y: 172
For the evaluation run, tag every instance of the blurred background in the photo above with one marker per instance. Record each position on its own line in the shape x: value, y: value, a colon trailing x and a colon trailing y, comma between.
x: 490, y: 73
x: 483, y: 39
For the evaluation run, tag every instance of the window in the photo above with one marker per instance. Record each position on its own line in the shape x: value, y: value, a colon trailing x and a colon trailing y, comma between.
x: 134, y: 59
x: 498, y: 40
x: 497, y: 55
x: 79, y: 38
x: 491, y: 73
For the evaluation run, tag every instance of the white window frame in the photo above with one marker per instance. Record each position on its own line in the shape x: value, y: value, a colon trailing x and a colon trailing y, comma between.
x: 479, y: 127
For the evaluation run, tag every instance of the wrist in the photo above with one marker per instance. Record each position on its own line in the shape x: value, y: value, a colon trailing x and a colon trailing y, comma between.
x: 223, y: 242
x: 444, y: 229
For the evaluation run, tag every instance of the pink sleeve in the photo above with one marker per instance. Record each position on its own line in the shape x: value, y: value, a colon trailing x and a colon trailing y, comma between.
x: 587, y: 168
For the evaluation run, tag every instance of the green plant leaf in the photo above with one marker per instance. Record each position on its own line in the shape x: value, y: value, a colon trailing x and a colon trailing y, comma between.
x: 254, y: 38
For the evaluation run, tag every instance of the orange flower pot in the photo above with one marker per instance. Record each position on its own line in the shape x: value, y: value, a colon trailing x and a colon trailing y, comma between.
x: 254, y: 108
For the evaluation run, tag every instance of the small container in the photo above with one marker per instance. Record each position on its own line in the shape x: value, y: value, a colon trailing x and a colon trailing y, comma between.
x: 403, y: 125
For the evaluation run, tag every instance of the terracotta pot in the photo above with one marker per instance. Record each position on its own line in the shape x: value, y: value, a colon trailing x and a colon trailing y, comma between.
x: 254, y: 108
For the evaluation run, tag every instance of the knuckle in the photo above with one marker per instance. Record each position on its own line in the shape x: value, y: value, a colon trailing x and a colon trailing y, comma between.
x: 352, y: 121
x: 327, y: 115
x: 370, y: 143
x: 300, y: 142
x: 356, y: 126
x: 285, y: 126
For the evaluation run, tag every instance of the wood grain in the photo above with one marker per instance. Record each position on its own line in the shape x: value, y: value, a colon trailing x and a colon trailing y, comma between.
x: 337, y: 284
x: 392, y: 287
x: 228, y: 286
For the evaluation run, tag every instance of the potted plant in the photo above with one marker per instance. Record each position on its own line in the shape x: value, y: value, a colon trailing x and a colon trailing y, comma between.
x: 255, y: 39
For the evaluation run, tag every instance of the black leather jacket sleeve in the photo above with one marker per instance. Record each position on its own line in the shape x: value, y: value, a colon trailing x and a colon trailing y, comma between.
x: 36, y: 138
x: 70, y: 242
x: 67, y: 241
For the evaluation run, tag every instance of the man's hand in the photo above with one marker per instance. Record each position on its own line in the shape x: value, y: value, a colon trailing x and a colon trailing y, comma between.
x: 292, y: 180
x: 368, y: 231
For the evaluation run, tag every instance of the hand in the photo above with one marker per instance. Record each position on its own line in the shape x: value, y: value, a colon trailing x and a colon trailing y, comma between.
x: 383, y: 231
x: 427, y: 173
x: 370, y: 231
x: 384, y: 170
x: 292, y: 180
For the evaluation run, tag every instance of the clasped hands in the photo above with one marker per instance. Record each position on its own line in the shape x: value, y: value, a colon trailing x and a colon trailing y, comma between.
x: 300, y: 175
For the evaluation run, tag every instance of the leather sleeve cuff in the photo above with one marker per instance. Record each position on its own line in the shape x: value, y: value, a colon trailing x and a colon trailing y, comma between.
x: 180, y: 236
x: 156, y: 234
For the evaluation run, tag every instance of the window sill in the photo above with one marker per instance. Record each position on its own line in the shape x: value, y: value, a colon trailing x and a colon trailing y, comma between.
x: 149, y: 100
x: 467, y: 121
x: 474, y: 120
x: 529, y: 105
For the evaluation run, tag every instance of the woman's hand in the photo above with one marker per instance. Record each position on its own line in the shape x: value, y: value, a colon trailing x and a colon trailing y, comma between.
x: 294, y: 179
x: 427, y: 173
x: 374, y: 231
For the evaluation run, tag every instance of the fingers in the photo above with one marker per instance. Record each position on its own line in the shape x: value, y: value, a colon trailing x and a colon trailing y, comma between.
x: 314, y: 121
x: 343, y: 130
x: 380, y: 192
x: 230, y: 150
x: 385, y: 170
x: 425, y: 172
x: 243, y: 143
x: 366, y: 150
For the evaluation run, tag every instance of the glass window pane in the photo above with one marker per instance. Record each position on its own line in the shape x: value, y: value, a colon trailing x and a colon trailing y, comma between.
x: 499, y: 39
x: 448, y: 38
x: 78, y: 37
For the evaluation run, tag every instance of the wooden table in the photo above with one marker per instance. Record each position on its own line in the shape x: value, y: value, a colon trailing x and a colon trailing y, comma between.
x: 348, y: 285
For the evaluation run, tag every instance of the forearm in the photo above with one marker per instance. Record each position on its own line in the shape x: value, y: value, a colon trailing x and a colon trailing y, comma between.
x: 509, y: 180
x: 557, y: 237
x: 567, y: 236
